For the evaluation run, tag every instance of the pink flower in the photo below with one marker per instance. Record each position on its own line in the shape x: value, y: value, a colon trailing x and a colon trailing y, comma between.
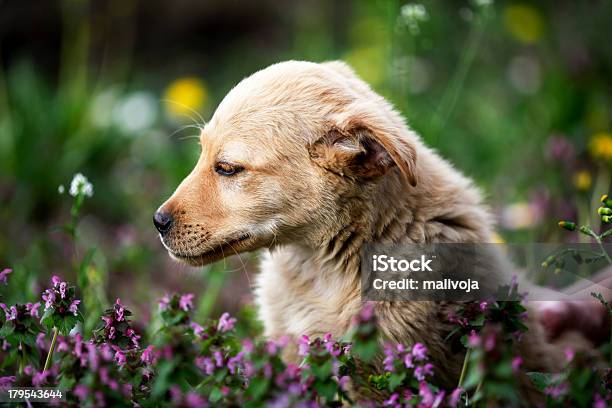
x: 62, y: 289
x: 7, y: 382
x: 197, y: 329
x: 119, y: 310
x: 474, y: 339
x: 421, y: 372
x: 11, y: 314
x: 205, y: 364
x: 55, y: 280
x: 233, y: 362
x: 73, y: 307
x: 186, y: 302
x: 226, y: 323
x: 419, y: 351
x: 193, y: 400
x: 392, y: 401
x: 483, y: 306
x: 120, y: 357
x: 40, y: 378
x: 569, y: 354
x: 455, y: 397
x: 148, y: 356
x: 40, y: 340
x: 108, y: 321
x: 426, y: 395
x: 4, y: 275
x: 49, y: 297
x: 516, y: 363
x: 81, y: 392
x: 164, y: 302
x: 304, y: 346
x: 32, y: 308
x: 556, y: 391
x: 408, y: 361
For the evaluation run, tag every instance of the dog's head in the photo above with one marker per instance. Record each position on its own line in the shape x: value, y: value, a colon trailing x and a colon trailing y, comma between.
x: 281, y: 158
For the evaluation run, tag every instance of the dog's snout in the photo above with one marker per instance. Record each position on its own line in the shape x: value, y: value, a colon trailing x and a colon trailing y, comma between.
x: 162, y: 221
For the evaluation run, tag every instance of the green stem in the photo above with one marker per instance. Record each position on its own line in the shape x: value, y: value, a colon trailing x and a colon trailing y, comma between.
x: 603, y: 250
x: 23, y: 359
x: 464, y: 368
x: 50, y: 354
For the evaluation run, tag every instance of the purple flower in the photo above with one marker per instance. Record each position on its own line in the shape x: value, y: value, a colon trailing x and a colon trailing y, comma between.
x: 40, y: 340
x: 233, y: 362
x: 73, y: 308
x: 218, y: 358
x: 81, y: 392
x: 426, y: 395
x: 120, y: 357
x: 148, y: 356
x: 62, y: 289
x: 32, y: 308
x: 40, y: 378
x: 248, y: 346
x: 49, y: 297
x: 304, y: 346
x: 186, y: 302
x: 560, y: 149
x: 6, y: 382
x: 164, y: 302
x: 516, y: 363
x: 421, y: 372
x: 569, y: 354
x: 473, y: 339
x: 193, y: 400
x: 119, y: 310
x: 55, y: 280
x: 197, y: 329
x: 4, y: 275
x: 408, y: 361
x: 226, y: 323
x: 108, y: 321
x: 205, y: 364
x: 419, y: 351
x: 455, y: 397
x: 392, y: 401
x: 556, y: 391
x: 483, y: 306
x: 11, y: 313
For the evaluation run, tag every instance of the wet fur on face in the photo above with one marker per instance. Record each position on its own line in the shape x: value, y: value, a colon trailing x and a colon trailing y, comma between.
x: 326, y: 165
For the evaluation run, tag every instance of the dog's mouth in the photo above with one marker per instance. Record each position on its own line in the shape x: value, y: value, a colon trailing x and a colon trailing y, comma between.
x: 227, y: 248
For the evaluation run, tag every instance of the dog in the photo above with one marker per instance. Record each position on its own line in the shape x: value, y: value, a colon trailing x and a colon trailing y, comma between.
x: 306, y: 160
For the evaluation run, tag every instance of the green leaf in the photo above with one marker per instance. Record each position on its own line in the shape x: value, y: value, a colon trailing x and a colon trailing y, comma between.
x: 540, y: 380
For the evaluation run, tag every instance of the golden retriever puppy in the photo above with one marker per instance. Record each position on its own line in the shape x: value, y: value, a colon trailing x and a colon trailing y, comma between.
x: 308, y: 162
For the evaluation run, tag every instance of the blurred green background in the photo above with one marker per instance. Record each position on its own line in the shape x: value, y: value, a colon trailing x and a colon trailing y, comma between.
x: 516, y: 94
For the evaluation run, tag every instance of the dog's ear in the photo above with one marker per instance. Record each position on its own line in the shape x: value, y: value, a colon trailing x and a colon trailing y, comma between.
x: 363, y: 151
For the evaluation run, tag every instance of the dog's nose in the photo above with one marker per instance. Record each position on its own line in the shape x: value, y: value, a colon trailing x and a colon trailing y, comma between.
x: 162, y: 221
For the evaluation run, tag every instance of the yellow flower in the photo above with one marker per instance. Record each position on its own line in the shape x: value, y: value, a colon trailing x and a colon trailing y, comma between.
x: 600, y: 146
x: 524, y: 22
x: 582, y: 180
x: 185, y: 95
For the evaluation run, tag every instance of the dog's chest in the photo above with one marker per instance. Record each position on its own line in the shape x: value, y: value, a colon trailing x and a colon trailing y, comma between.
x: 294, y: 298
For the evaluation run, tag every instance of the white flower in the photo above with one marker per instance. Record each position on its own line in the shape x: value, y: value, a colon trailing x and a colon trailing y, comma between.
x: 60, y: 189
x: 80, y: 184
x: 412, y: 14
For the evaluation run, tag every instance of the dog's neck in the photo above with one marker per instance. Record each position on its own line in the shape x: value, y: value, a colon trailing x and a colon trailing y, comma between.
x: 443, y: 207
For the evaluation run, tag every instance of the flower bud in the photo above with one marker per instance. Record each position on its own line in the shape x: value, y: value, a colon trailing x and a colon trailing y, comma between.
x: 606, y: 201
x: 604, y: 211
x: 606, y: 218
x: 568, y: 225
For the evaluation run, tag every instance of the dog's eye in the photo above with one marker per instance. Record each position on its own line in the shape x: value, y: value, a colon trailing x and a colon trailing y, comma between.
x: 226, y: 169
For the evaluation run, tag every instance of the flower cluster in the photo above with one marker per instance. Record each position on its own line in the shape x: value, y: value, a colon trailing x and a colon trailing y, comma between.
x: 198, y: 364
x: 61, y: 306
